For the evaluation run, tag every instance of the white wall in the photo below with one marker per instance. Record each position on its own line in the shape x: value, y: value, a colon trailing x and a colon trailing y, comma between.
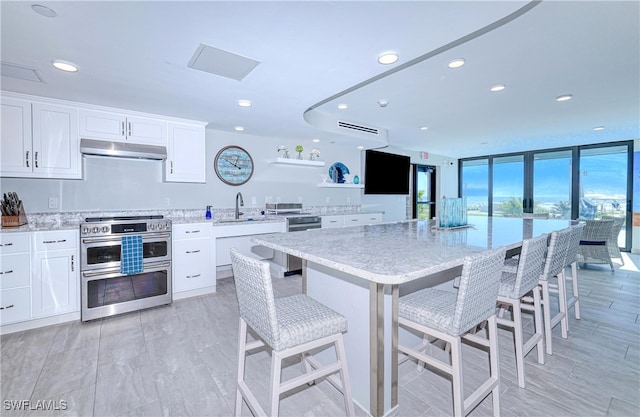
x: 122, y: 184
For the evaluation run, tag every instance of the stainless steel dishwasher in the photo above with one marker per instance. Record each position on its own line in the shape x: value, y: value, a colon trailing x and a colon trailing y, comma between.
x: 297, y: 224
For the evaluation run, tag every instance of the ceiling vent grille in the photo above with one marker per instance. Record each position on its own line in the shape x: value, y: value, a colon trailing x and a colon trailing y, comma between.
x: 359, y: 128
x: 20, y: 71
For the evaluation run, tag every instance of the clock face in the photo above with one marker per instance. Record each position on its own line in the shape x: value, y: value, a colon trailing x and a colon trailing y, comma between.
x: 233, y: 165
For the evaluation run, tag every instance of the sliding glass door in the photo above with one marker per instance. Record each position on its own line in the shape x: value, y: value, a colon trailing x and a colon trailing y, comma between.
x: 508, y: 186
x: 552, y: 184
x: 579, y: 182
x: 604, y: 185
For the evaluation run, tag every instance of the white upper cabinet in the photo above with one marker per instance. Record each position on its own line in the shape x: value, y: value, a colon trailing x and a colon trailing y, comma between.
x: 185, y: 153
x: 15, y: 143
x: 55, y: 141
x: 120, y: 127
x: 39, y: 140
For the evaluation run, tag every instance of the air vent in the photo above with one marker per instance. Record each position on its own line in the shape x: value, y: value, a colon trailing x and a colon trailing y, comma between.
x: 21, y: 72
x: 223, y: 63
x: 359, y: 128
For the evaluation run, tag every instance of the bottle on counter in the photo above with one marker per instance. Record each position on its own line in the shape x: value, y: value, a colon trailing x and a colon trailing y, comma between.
x: 208, y: 213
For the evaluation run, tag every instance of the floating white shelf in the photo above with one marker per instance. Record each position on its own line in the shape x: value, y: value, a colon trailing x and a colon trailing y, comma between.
x: 296, y: 162
x: 338, y: 185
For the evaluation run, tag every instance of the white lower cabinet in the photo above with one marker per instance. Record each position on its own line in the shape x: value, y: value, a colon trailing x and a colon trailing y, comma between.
x: 362, y: 219
x: 193, y: 266
x: 55, y: 279
x: 15, y: 305
x: 346, y: 220
x: 332, y: 222
x: 15, y: 277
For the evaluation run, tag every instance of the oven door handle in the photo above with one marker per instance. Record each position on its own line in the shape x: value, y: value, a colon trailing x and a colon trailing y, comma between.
x: 117, y: 239
x: 150, y: 267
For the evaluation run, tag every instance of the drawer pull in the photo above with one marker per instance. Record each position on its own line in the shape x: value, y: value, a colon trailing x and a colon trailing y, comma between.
x: 7, y: 307
x: 193, y: 231
x: 54, y: 241
x: 7, y: 244
x: 7, y: 272
x: 193, y: 276
x: 193, y: 251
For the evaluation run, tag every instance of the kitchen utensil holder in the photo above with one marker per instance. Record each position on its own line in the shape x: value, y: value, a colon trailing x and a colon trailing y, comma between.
x: 15, y: 221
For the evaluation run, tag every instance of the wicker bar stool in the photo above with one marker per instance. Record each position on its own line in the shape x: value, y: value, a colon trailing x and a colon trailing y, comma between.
x: 290, y: 326
x: 554, y: 268
x: 451, y: 317
x: 571, y: 261
x: 513, y: 295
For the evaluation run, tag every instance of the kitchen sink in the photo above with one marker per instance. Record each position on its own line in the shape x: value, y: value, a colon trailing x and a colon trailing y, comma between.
x: 240, y: 220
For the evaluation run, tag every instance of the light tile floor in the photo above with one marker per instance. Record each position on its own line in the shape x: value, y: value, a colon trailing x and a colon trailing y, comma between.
x: 179, y: 360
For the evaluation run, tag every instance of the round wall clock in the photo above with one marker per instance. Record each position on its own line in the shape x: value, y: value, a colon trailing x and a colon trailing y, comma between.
x: 233, y: 165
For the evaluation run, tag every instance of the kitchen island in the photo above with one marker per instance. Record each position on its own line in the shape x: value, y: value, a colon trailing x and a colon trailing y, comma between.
x: 361, y: 271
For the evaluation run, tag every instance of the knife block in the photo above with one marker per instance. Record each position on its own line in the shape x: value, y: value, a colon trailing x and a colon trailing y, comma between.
x: 15, y: 221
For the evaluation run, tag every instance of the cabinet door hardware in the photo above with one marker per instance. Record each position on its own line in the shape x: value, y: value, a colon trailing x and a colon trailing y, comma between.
x: 193, y: 276
x: 7, y: 307
x: 129, y: 134
x: 73, y: 268
x: 27, y: 159
x: 6, y: 272
x: 171, y: 165
x: 193, y: 251
x: 7, y: 244
x: 122, y: 124
x: 54, y: 241
x: 192, y: 231
x: 36, y: 159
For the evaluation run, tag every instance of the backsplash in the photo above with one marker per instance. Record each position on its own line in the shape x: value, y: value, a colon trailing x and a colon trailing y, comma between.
x: 182, y: 214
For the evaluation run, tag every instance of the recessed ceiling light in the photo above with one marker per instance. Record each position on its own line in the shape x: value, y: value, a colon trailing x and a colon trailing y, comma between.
x: 424, y: 127
x: 342, y: 106
x: 498, y: 87
x: 244, y: 103
x: 239, y: 129
x: 65, y: 65
x: 43, y: 10
x: 387, y: 58
x: 315, y: 140
x: 598, y: 128
x: 456, y: 63
x: 564, y: 97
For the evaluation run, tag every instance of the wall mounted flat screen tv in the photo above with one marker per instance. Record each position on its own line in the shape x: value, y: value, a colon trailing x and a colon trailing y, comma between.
x: 386, y: 173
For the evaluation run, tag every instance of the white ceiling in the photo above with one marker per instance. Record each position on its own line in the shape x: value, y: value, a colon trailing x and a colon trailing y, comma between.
x: 314, y: 55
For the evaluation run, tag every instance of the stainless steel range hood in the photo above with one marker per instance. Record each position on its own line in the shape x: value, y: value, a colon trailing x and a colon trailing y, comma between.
x: 122, y: 149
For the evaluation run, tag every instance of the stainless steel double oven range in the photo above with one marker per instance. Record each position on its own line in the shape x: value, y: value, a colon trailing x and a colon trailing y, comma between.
x: 105, y: 290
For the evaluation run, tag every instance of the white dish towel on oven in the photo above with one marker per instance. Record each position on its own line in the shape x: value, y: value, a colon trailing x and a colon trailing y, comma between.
x: 131, y: 255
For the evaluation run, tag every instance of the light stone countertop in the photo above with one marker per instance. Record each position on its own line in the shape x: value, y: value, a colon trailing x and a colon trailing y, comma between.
x: 71, y: 220
x: 395, y: 253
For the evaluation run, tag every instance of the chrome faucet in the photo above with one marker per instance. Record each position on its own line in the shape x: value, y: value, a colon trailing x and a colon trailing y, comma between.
x: 238, y: 213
